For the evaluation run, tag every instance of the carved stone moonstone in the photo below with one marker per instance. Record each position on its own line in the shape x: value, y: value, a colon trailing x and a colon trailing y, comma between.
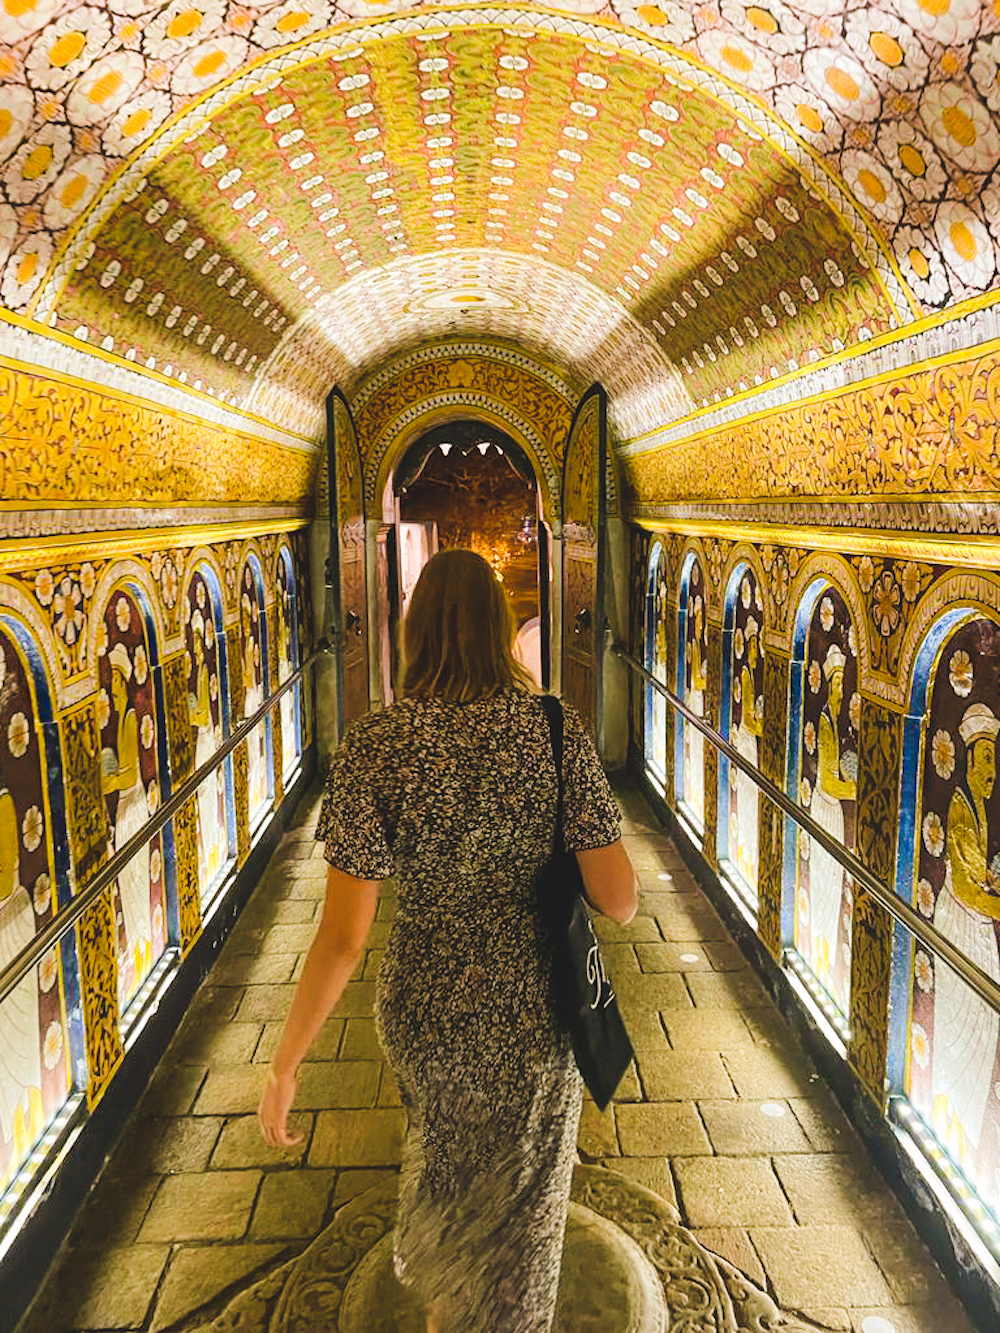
x: 628, y: 1267
x: 607, y: 1286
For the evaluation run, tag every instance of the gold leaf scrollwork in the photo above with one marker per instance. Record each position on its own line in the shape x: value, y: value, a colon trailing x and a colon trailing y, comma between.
x: 88, y: 819
x: 770, y: 819
x: 188, y: 892
x: 96, y: 941
x: 879, y: 755
x: 241, y: 792
x: 175, y: 698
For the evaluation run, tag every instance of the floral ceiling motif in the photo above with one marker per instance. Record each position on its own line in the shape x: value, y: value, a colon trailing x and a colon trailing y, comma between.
x: 254, y: 200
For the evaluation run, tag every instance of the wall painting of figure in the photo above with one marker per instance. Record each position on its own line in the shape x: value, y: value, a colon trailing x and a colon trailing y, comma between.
x: 828, y: 770
x: 658, y: 627
x: 286, y: 627
x: 253, y: 645
x: 953, y: 1070
x: 695, y: 679
x: 131, y: 782
x: 34, y: 1044
x: 746, y: 720
x: 205, y: 711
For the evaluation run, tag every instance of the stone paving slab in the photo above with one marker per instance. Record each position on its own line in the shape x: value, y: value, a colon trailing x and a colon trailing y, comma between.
x: 292, y: 1204
x: 240, y: 1144
x: 820, y: 1266
x: 325, y: 1047
x: 669, y: 1076
x: 347, y: 1138
x: 734, y: 1245
x: 744, y: 1128
x: 110, y: 1289
x: 198, y: 1275
x: 667, y: 1129
x: 214, y: 1205
x: 730, y: 1191
x: 705, y: 1029
x: 835, y: 1187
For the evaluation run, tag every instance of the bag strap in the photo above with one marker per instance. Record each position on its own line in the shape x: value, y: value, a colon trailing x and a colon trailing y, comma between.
x: 552, y: 708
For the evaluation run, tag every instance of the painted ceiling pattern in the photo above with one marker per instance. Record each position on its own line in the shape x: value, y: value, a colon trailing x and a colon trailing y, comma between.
x: 206, y: 189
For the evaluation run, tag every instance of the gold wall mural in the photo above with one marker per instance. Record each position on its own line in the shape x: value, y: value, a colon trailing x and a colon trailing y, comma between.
x: 921, y: 432
x: 896, y: 661
x: 67, y: 442
x: 121, y: 641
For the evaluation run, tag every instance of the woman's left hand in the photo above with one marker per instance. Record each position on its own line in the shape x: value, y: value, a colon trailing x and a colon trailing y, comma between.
x: 272, y: 1114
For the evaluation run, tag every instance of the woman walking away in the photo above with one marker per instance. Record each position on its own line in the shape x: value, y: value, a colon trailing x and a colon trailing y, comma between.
x: 453, y: 791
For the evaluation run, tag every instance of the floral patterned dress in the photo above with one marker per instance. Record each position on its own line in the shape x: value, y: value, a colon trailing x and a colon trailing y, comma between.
x: 458, y: 802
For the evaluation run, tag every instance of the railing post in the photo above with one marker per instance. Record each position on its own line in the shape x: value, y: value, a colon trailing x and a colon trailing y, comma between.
x: 181, y: 749
x: 879, y: 755
x: 277, y: 740
x: 241, y: 755
x: 770, y: 820
x: 670, y: 748
x: 713, y: 683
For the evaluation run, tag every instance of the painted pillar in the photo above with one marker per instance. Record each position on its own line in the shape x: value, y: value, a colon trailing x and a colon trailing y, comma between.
x: 175, y: 699
x: 97, y: 935
x: 879, y: 758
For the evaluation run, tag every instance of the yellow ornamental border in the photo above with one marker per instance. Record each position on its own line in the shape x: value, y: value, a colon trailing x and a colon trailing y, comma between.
x: 928, y: 430
x: 68, y: 442
x: 29, y: 553
x: 981, y: 553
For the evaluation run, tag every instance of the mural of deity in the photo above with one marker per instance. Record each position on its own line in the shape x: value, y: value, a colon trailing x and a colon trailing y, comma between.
x: 286, y: 630
x: 205, y: 715
x: 33, y: 1038
x: 252, y: 663
x: 746, y: 727
x: 695, y: 680
x: 954, y: 1075
x: 831, y: 710
x: 130, y: 782
x: 656, y: 661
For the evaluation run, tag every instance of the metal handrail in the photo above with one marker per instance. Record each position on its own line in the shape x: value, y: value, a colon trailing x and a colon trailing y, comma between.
x: 983, y: 984
x: 18, y: 968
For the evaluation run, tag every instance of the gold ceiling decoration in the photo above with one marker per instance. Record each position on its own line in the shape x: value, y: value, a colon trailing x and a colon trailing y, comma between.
x: 256, y: 200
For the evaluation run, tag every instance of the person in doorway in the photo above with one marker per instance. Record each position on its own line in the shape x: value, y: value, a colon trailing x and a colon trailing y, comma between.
x: 453, y: 791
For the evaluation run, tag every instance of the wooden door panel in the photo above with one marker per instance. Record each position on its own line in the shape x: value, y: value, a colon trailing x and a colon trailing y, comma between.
x: 583, y: 558
x: 350, y: 625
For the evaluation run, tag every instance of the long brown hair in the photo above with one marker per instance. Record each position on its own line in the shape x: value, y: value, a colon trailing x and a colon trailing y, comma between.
x: 458, y: 633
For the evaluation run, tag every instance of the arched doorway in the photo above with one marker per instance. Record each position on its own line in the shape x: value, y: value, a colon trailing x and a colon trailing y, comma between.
x: 467, y: 483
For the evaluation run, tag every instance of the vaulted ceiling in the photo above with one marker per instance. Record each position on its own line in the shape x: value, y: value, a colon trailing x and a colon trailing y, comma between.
x: 684, y: 200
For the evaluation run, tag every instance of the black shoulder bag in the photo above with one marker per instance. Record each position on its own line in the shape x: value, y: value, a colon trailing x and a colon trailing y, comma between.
x: 583, y: 996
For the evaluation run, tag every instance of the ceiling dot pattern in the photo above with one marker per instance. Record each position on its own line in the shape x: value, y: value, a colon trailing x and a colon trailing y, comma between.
x: 604, y: 170
x: 703, y: 233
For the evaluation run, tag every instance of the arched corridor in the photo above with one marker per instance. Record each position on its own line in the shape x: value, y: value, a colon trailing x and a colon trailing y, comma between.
x: 720, y: 278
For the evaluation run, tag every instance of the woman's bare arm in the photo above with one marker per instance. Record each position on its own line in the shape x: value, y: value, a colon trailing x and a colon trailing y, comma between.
x: 348, y: 913
x: 609, y: 881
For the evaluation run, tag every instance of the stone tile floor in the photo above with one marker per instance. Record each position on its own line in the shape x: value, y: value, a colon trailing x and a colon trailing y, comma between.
x: 724, y: 1116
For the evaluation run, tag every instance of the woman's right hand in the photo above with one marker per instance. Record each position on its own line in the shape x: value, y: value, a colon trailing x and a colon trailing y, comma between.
x: 275, y: 1105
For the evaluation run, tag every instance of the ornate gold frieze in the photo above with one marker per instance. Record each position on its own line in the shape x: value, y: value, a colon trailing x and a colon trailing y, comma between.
x: 925, y: 432
x: 68, y: 442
